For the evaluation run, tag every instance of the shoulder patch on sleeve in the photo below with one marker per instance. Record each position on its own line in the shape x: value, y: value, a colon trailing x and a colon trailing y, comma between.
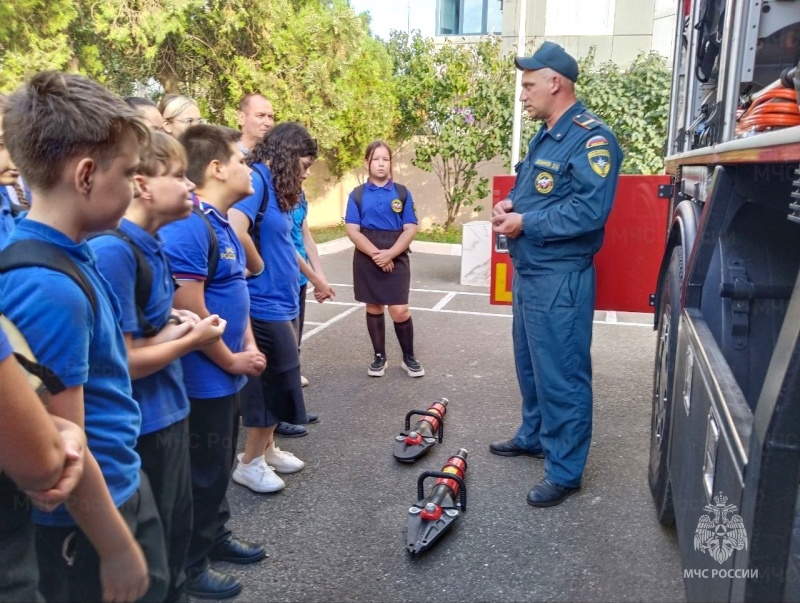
x: 600, y: 162
x: 597, y: 141
x: 584, y: 120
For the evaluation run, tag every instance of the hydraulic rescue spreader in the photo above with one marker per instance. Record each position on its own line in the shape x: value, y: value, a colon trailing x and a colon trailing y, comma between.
x: 410, y: 445
x: 431, y: 517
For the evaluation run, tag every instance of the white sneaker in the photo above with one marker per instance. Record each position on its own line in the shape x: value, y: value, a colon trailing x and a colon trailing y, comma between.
x: 257, y: 475
x: 303, y: 381
x: 282, y: 461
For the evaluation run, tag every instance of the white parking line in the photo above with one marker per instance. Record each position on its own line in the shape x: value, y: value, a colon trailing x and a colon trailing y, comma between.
x: 333, y: 320
x: 425, y: 290
x: 445, y: 300
x: 311, y: 322
x: 610, y: 319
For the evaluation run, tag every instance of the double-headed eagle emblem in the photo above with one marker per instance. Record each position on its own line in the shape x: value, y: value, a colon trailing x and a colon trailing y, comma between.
x: 722, y: 535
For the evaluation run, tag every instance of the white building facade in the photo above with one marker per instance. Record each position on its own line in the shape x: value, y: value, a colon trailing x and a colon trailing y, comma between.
x: 618, y: 29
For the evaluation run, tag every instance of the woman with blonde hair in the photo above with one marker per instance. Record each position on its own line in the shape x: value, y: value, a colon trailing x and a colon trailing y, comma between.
x: 179, y: 113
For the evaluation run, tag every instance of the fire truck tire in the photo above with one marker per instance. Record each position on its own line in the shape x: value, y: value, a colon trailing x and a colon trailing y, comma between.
x: 663, y: 377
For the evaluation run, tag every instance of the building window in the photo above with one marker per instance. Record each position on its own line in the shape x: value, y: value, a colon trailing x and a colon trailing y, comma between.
x: 469, y: 17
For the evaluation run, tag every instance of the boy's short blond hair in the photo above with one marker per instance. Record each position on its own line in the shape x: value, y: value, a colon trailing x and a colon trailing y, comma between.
x: 54, y: 117
x: 157, y: 157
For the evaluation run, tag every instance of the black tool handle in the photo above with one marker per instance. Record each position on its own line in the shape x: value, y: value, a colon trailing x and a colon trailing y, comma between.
x: 426, y: 414
x: 462, y: 492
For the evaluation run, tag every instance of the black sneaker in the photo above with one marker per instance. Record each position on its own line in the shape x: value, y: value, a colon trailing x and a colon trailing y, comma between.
x: 378, y: 366
x: 412, y: 367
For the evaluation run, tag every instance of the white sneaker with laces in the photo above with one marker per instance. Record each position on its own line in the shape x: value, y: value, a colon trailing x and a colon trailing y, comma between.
x: 282, y: 461
x: 257, y: 475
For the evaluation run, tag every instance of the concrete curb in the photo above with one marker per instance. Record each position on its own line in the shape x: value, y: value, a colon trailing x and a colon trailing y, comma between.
x: 436, y: 248
x: 334, y: 246
x: 344, y: 243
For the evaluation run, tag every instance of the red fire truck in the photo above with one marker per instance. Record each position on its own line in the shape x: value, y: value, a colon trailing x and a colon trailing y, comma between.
x: 725, y: 433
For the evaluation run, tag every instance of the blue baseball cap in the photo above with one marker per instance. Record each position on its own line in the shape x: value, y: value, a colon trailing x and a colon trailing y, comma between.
x: 551, y: 55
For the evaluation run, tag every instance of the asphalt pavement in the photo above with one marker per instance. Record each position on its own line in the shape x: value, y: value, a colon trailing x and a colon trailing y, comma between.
x: 337, y: 532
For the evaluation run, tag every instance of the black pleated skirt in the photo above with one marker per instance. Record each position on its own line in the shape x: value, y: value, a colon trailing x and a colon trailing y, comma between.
x: 371, y: 285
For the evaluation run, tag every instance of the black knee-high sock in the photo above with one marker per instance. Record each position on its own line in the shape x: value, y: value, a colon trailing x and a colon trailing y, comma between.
x: 405, y: 335
x: 376, y: 327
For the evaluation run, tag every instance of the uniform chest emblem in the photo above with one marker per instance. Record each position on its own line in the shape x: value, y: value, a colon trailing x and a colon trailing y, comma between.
x: 397, y: 206
x: 228, y: 254
x: 544, y: 182
x: 600, y: 160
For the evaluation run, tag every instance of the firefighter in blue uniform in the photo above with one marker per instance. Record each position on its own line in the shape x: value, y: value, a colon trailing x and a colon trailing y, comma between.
x: 554, y: 219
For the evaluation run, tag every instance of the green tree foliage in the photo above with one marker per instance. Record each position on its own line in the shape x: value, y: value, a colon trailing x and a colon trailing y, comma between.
x: 314, y: 60
x: 634, y: 102
x: 33, y: 36
x: 455, y: 104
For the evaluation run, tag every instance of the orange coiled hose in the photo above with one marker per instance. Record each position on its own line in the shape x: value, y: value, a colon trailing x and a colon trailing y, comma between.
x: 775, y: 108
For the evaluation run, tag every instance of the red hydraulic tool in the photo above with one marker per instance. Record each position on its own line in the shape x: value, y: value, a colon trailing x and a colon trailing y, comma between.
x: 410, y: 445
x: 431, y: 517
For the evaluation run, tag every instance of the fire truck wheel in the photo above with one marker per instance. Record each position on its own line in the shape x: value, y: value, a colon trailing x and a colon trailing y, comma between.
x: 663, y: 376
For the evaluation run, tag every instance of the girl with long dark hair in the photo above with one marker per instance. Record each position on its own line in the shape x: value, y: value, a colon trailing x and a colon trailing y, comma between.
x: 263, y: 222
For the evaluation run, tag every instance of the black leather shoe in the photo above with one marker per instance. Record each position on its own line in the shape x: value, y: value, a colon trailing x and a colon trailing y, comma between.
x: 290, y: 430
x: 547, y: 493
x: 509, y: 448
x: 211, y: 584
x: 238, y: 551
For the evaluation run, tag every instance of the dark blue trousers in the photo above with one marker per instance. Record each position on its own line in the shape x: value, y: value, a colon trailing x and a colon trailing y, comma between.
x: 165, y: 460
x: 552, y: 337
x: 213, y: 434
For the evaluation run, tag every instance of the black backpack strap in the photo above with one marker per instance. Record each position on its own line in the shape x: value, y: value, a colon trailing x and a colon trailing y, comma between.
x: 33, y: 253
x: 38, y: 375
x: 255, y: 227
x: 358, y: 195
x: 402, y: 194
x: 30, y: 254
x: 213, y: 246
x: 144, y: 280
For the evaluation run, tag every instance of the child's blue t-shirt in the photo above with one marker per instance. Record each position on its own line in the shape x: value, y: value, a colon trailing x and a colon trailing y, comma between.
x: 161, y: 396
x: 299, y: 214
x: 82, y: 348
x: 274, y: 294
x: 5, y: 346
x: 186, y: 244
x: 381, y: 208
x: 7, y: 222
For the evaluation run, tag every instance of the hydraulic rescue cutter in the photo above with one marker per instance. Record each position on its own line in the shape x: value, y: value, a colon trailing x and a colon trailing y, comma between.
x: 431, y: 517
x: 410, y: 445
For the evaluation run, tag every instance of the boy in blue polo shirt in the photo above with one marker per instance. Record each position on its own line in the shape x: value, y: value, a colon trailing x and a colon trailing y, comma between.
x: 215, y: 375
x: 78, y: 146
x: 8, y: 177
x: 156, y: 338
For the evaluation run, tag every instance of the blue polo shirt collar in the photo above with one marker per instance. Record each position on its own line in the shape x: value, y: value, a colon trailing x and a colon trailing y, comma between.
x: 374, y: 187
x: 559, y: 131
x: 142, y: 238
x: 210, y: 210
x: 5, y: 201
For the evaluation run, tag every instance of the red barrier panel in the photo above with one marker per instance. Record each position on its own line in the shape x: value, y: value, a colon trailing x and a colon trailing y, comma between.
x: 627, y: 264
